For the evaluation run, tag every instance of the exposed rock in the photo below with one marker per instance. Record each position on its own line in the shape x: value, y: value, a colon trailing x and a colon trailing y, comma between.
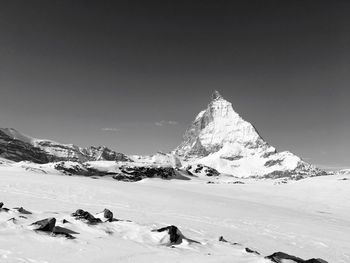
x: 23, y: 211
x: 57, y: 230
x: 46, y: 225
x: 19, y: 147
x: 137, y: 173
x: 71, y: 168
x: 273, y: 162
x: 237, y: 182
x: 248, y: 250
x: 64, y: 221
x: 222, y: 239
x: 200, y: 169
x: 175, y: 235
x: 80, y: 214
x: 108, y: 215
x: 280, y: 257
x: 17, y: 150
x: 2, y: 208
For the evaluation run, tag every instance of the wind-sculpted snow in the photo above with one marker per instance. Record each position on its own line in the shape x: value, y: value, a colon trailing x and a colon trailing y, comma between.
x: 142, y: 221
x: 223, y: 140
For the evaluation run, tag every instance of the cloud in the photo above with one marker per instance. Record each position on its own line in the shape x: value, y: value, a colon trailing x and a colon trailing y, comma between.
x: 110, y: 129
x: 163, y: 123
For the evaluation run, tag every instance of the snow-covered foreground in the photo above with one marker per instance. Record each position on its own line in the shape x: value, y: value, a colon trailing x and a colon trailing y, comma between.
x: 307, y: 218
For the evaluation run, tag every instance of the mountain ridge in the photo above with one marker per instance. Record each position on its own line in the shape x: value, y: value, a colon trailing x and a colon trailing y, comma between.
x: 50, y: 151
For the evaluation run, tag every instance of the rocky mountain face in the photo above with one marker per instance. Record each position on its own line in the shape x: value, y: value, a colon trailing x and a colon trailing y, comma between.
x: 19, y: 147
x: 221, y: 139
x: 17, y: 150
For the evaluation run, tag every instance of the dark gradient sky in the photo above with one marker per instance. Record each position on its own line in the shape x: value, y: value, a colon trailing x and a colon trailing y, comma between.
x: 104, y: 72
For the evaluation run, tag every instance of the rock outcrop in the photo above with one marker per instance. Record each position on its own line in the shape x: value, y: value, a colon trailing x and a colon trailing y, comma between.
x: 201, y: 170
x: 136, y: 173
x: 280, y: 257
x: 19, y: 147
x: 16, y: 150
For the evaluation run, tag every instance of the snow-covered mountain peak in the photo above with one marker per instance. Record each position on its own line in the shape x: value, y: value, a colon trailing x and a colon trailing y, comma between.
x: 216, y: 95
x: 220, y: 138
x: 216, y: 127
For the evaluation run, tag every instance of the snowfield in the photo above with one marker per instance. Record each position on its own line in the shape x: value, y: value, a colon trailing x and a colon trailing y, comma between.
x: 309, y: 218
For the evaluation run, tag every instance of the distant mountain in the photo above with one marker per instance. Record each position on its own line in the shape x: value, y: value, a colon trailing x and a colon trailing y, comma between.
x: 19, y: 147
x: 221, y: 139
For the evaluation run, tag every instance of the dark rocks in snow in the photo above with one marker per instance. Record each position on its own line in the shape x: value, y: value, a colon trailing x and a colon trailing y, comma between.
x: 268, y: 154
x: 237, y: 182
x: 280, y: 257
x: 49, y: 225
x: 2, y: 208
x: 231, y: 158
x: 108, y: 215
x: 200, y: 169
x: 76, y: 169
x: 222, y: 239
x: 248, y: 250
x: 137, y: 173
x: 273, y: 162
x: 64, y: 221
x: 64, y: 231
x: 80, y: 214
x: 46, y: 225
x: 175, y: 235
x: 13, y: 220
x: 23, y: 211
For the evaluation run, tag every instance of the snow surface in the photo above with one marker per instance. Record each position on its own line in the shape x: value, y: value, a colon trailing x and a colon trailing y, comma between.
x: 307, y: 218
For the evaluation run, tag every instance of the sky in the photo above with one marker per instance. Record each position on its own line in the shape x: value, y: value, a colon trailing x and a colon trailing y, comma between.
x: 132, y: 75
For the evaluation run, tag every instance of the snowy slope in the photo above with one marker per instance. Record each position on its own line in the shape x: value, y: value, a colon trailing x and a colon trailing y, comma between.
x: 307, y: 218
x: 221, y: 139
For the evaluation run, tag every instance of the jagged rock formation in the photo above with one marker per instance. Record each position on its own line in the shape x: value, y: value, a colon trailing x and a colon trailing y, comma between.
x: 136, y: 173
x: 16, y: 150
x: 221, y: 139
x: 19, y: 147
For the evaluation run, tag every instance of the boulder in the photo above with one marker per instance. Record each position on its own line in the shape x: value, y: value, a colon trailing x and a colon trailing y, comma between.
x: 23, y: 211
x: 80, y: 214
x: 248, y: 250
x: 174, y: 234
x: 46, y: 225
x: 280, y: 257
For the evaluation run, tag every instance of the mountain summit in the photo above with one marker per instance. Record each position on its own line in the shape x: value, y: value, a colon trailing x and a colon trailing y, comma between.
x: 220, y: 138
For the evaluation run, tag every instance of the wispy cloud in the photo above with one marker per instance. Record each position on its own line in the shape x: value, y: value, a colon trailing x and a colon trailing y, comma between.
x: 163, y: 123
x: 110, y: 129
